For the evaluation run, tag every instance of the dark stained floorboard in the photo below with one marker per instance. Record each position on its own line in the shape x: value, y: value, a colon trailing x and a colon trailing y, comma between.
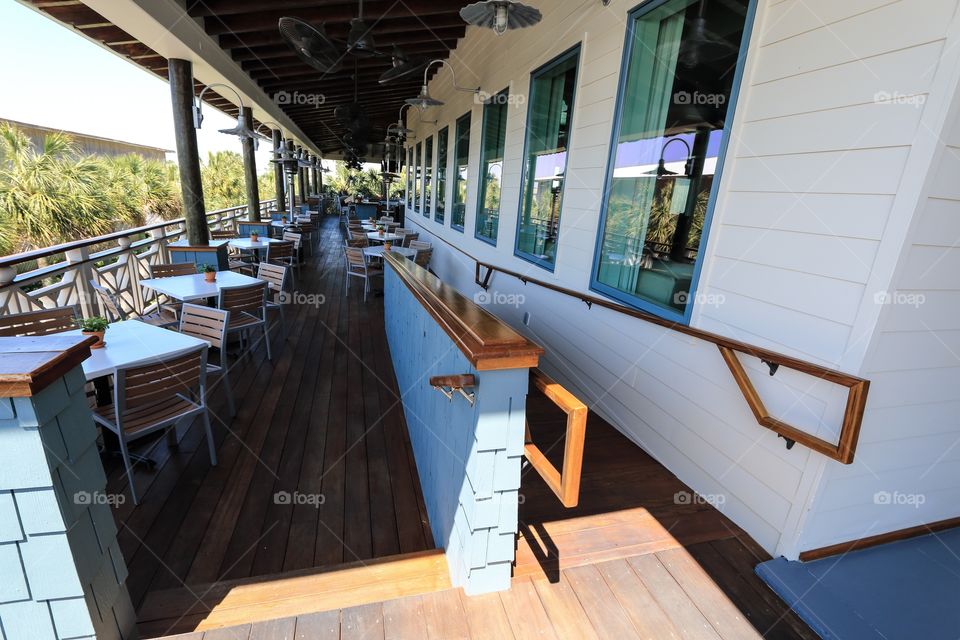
x: 308, y: 422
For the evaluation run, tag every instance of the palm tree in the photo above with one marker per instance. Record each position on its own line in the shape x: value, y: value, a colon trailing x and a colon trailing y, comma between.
x: 48, y: 195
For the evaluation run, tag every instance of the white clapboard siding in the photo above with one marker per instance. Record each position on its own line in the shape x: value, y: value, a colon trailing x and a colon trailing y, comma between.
x: 834, y: 97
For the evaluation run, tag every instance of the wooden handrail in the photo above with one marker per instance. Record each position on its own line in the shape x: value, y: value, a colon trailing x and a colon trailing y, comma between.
x: 486, y: 341
x: 843, y: 450
x: 565, y: 484
x: 845, y: 447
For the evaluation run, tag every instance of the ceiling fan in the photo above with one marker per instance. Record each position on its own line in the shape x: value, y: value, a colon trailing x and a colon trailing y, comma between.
x: 317, y: 49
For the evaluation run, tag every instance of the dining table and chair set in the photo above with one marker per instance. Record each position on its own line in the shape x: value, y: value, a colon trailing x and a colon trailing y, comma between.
x: 154, y: 371
x: 365, y: 242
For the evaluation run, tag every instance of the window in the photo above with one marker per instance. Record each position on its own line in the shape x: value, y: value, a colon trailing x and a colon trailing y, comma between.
x: 682, y: 63
x: 491, y: 166
x: 440, y: 198
x: 410, y: 178
x: 462, y: 158
x: 545, y: 159
x: 427, y: 175
x: 417, y: 177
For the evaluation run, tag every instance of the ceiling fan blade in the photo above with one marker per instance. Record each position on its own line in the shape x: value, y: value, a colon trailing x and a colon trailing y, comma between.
x: 311, y: 44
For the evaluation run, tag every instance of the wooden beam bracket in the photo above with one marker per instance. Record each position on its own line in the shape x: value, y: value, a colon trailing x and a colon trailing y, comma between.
x: 449, y: 385
x: 565, y: 484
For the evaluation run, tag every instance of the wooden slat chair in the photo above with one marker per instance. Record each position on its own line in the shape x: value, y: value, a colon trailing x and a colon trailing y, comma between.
x: 39, y: 323
x: 420, y: 245
x: 170, y: 270
x: 154, y: 396
x: 423, y: 257
x: 408, y: 238
x: 114, y: 312
x: 357, y: 267
x: 223, y: 234
x: 236, y: 260
x: 308, y: 232
x: 283, y: 254
x: 247, y: 305
x: 357, y: 241
x: 276, y: 278
x: 211, y: 324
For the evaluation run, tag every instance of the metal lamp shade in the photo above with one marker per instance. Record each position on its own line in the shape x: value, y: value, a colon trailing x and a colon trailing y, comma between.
x: 360, y: 41
x: 424, y: 100
x: 500, y: 15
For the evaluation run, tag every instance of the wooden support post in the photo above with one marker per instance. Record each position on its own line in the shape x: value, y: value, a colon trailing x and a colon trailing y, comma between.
x: 291, y: 179
x: 278, y: 173
x: 250, y: 169
x: 315, y: 188
x: 180, y: 74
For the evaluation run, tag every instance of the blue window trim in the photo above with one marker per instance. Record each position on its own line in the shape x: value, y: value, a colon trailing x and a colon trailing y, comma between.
x: 444, y: 132
x: 427, y: 205
x: 620, y: 296
x: 480, y: 194
x: 417, y: 179
x: 456, y: 128
x: 563, y: 57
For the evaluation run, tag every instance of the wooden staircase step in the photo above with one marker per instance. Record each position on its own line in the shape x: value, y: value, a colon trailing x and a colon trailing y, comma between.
x: 235, y: 602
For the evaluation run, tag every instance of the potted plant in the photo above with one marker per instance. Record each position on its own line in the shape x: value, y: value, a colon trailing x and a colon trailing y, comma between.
x: 95, y: 326
x: 209, y: 272
x: 283, y: 219
x: 387, y: 245
x: 254, y: 236
x: 380, y: 229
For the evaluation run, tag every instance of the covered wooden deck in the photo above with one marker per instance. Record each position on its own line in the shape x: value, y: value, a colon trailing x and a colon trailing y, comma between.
x: 314, y: 470
x: 632, y: 560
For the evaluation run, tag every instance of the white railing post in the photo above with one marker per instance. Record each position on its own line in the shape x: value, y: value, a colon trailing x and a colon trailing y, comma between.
x: 81, y: 273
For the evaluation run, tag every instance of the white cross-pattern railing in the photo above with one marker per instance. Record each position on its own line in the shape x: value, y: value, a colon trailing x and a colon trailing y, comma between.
x: 118, y: 261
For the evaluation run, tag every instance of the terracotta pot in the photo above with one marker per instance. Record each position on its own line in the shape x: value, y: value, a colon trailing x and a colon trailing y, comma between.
x: 99, y: 344
x: 210, y: 276
x: 387, y: 245
x: 380, y: 231
x: 254, y: 237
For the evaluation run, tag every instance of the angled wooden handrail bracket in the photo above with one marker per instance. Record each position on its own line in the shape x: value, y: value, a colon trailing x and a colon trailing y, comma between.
x: 845, y: 447
x: 566, y: 483
x: 448, y: 385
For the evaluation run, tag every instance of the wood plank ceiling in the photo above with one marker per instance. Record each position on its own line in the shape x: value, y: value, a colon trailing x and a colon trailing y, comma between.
x: 247, y: 29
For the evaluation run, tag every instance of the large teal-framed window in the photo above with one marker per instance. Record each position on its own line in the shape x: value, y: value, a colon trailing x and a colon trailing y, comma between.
x: 682, y: 66
x: 549, y: 123
x: 462, y: 160
x: 409, y: 177
x: 427, y: 176
x: 492, y: 139
x: 440, y: 197
x: 417, y: 176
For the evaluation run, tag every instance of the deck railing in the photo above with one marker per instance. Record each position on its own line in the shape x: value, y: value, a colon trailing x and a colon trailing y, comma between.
x: 118, y: 261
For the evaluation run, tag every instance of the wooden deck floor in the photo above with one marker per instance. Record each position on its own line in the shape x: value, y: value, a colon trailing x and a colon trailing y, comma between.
x: 636, y: 558
x: 320, y: 423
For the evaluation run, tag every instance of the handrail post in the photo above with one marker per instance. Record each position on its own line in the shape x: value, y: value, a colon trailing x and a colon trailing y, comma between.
x: 81, y: 273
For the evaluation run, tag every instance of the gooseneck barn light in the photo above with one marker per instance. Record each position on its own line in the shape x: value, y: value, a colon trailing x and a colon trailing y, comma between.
x: 500, y: 15
x: 241, y: 130
x: 425, y: 100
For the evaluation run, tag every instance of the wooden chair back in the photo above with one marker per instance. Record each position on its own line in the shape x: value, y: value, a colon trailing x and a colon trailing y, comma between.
x: 223, y: 234
x: 172, y: 269
x: 39, y: 323
x: 109, y: 301
x: 358, y: 241
x: 355, y: 259
x: 409, y: 237
x: 281, y: 250
x: 423, y: 257
x: 205, y: 323
x: 150, y: 384
x: 420, y: 245
x: 274, y: 275
x: 249, y: 298
x: 295, y: 238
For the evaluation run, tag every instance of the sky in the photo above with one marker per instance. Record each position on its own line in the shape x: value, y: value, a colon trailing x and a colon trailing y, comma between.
x: 54, y: 77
